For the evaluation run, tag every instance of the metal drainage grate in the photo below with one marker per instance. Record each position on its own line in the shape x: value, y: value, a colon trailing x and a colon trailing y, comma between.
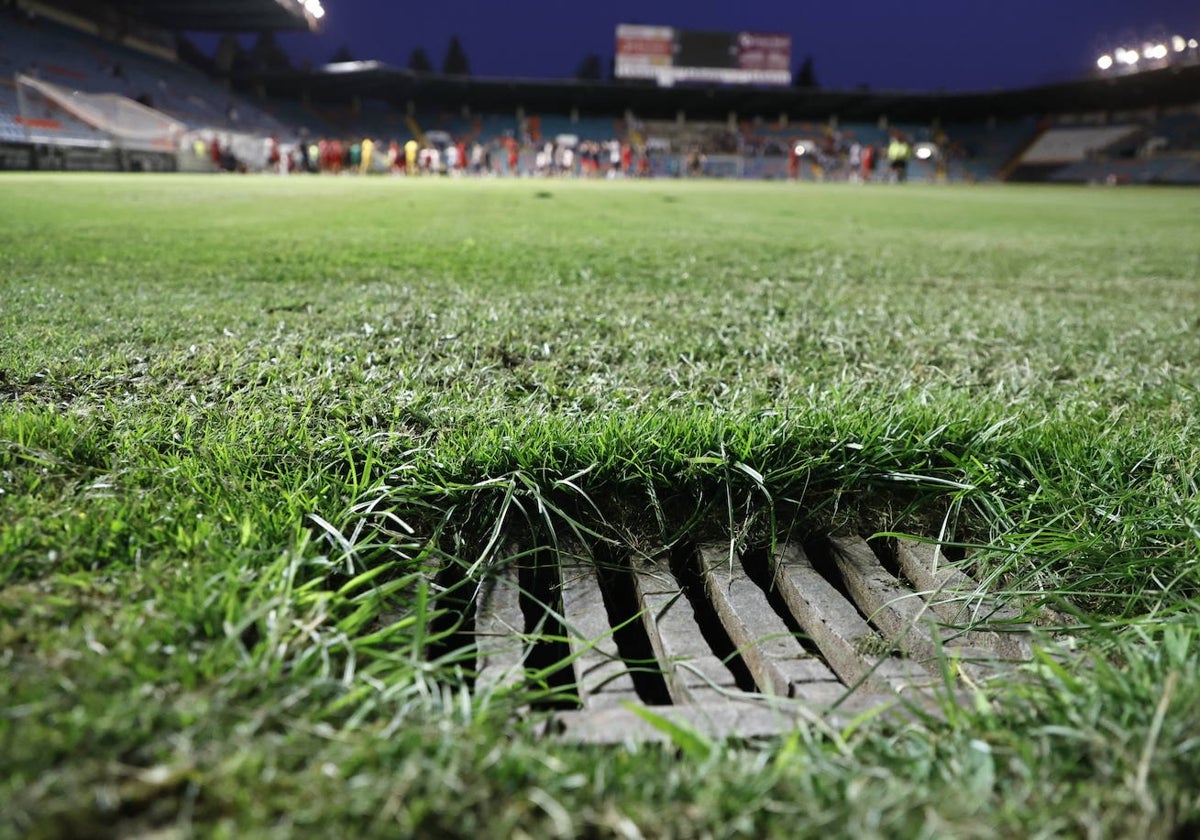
x: 741, y: 645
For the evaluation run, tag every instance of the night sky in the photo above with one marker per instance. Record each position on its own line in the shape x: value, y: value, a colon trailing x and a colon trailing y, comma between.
x: 925, y: 45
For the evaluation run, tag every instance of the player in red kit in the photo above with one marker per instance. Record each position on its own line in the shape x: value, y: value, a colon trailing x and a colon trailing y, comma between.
x: 513, y: 155
x: 868, y: 162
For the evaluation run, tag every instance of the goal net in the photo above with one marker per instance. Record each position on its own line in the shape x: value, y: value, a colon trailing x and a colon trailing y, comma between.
x: 58, y: 116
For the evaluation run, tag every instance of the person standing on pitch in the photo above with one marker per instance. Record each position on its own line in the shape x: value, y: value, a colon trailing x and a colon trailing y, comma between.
x: 899, y: 151
x: 410, y: 157
x: 367, y: 153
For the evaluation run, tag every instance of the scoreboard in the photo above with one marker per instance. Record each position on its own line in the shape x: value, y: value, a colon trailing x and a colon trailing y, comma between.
x: 670, y: 55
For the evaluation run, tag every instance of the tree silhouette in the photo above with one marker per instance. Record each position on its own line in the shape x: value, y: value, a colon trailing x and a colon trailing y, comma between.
x: 267, y: 54
x: 341, y: 55
x: 418, y: 61
x: 806, y: 77
x: 455, y: 63
x: 590, y: 68
x: 190, y: 54
x: 231, y: 56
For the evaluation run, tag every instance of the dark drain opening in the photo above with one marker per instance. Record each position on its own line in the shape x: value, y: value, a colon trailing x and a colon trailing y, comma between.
x: 820, y: 554
x: 953, y: 553
x: 885, y: 553
x: 684, y: 564
x: 757, y: 564
x: 629, y: 632
x: 547, y: 662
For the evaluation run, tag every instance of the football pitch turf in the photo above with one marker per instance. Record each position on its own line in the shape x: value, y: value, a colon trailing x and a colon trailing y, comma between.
x: 243, y: 420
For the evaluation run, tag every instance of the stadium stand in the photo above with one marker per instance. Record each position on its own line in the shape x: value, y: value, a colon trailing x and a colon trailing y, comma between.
x: 710, y: 136
x: 83, y: 63
x: 541, y: 128
x: 1065, y: 145
x: 58, y: 54
x: 979, y: 152
x: 1058, y: 146
x: 720, y: 131
x: 1179, y: 132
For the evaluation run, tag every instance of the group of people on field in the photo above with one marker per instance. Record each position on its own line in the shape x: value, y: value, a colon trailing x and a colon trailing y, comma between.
x: 500, y: 156
x: 856, y: 161
x: 832, y: 156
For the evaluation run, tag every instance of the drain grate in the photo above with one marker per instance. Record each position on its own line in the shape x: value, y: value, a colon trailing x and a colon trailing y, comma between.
x: 737, y: 644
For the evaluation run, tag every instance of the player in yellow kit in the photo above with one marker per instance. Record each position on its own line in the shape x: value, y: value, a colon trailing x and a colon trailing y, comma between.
x: 410, y: 157
x: 368, y: 152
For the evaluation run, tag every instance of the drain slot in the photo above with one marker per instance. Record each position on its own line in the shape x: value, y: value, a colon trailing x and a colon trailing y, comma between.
x: 547, y: 660
x: 774, y: 656
x: 692, y: 673
x: 885, y: 553
x: 902, y: 616
x: 629, y: 627
x: 685, y: 565
x: 602, y: 676
x: 853, y: 649
x: 757, y: 564
x: 822, y: 556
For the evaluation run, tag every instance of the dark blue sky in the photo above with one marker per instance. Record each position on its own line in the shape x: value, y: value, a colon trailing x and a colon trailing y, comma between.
x: 914, y: 44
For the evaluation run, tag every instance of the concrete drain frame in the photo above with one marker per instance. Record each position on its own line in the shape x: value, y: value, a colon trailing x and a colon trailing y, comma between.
x: 734, y: 644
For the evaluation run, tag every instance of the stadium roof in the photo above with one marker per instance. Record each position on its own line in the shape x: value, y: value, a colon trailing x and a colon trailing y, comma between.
x: 222, y: 15
x: 1178, y: 85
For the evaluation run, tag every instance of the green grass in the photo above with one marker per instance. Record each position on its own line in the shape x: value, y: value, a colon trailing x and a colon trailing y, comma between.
x: 242, y: 418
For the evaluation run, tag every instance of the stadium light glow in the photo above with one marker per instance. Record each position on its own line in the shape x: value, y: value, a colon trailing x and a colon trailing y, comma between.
x: 352, y: 66
x: 1151, y: 55
x: 314, y: 8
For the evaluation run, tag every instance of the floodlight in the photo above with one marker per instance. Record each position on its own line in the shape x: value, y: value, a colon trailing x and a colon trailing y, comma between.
x: 1104, y: 62
x: 1178, y: 43
x: 1158, y: 51
x: 1129, y: 57
x: 352, y: 66
x: 1193, y: 43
